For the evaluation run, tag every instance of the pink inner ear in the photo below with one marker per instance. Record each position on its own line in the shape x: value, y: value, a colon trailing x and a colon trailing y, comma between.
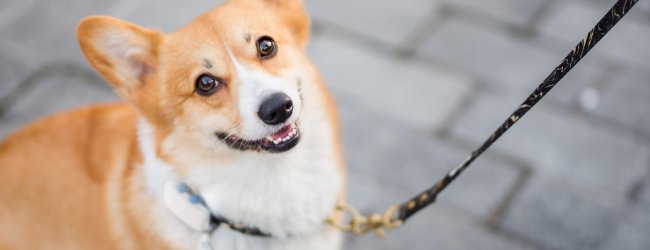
x: 140, y: 69
x: 128, y: 54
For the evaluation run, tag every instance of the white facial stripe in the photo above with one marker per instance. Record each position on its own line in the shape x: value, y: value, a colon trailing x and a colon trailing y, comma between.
x: 238, y: 67
x: 255, y: 87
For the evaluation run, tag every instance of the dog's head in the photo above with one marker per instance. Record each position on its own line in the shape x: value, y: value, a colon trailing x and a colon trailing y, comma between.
x: 229, y: 80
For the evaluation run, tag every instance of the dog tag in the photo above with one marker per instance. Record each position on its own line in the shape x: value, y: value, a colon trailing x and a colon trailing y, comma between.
x: 187, y: 206
x: 204, y: 242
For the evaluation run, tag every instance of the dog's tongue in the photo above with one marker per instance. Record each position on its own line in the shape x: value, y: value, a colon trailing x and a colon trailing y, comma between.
x: 282, y: 133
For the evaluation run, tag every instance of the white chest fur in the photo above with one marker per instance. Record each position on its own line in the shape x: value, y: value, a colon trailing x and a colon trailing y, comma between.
x: 288, y: 195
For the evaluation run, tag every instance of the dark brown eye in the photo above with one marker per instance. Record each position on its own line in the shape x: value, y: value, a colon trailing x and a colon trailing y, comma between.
x: 266, y: 47
x: 206, y: 85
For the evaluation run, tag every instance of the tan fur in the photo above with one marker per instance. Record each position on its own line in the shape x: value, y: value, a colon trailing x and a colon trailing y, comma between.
x: 71, y: 181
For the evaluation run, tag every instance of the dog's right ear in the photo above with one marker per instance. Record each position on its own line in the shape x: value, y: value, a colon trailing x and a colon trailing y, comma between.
x: 123, y: 53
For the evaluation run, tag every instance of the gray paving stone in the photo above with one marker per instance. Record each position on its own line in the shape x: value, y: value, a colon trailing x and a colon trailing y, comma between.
x: 407, y: 91
x: 60, y: 91
x: 167, y: 15
x: 11, y: 73
x: 568, y: 22
x: 50, y: 27
x: 369, y: 193
x: 557, y: 143
x: 516, y: 12
x: 10, y: 10
x: 632, y: 232
x: 643, y: 6
x: 506, y: 62
x: 561, y: 214
x: 4, y: 4
x: 608, y: 3
x: 389, y: 22
x: 393, y: 154
x: 9, y: 124
x: 645, y: 193
x: 16, y: 65
x: 626, y: 99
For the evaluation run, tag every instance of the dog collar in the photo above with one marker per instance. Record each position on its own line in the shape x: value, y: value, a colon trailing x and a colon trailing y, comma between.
x: 190, y: 208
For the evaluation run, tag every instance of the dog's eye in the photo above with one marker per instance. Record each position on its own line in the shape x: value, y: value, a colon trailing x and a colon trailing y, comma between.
x: 266, y: 47
x: 206, y: 85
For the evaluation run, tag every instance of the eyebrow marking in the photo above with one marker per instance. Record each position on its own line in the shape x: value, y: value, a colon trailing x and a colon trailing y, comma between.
x: 207, y: 64
x: 247, y: 37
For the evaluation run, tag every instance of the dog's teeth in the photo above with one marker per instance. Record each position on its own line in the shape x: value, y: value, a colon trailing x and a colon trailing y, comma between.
x: 286, y: 138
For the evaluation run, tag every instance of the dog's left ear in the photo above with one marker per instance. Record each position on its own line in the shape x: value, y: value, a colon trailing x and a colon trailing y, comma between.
x: 123, y: 53
x: 294, y: 16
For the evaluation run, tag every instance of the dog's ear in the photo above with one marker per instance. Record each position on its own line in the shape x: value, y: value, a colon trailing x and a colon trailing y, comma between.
x: 123, y: 53
x: 293, y: 14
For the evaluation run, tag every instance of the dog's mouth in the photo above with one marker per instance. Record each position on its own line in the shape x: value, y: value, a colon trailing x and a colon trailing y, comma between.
x: 281, y: 141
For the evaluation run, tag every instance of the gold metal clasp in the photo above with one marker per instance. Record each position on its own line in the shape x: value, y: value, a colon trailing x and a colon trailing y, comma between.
x: 360, y: 224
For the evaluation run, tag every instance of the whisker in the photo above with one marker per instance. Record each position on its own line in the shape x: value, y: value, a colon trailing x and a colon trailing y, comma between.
x: 231, y: 131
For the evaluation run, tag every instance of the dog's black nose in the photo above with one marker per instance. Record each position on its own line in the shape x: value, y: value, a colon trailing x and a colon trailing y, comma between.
x: 276, y: 109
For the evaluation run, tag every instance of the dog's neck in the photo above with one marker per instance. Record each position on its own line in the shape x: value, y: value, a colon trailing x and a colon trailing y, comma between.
x: 287, y: 194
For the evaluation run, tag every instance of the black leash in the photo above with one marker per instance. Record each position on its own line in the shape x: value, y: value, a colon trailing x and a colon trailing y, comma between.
x: 397, y: 214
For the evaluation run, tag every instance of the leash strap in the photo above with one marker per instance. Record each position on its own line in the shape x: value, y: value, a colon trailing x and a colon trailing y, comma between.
x: 412, y: 206
x: 396, y: 215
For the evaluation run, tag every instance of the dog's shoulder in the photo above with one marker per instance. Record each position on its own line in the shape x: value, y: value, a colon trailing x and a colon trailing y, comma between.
x: 89, y: 134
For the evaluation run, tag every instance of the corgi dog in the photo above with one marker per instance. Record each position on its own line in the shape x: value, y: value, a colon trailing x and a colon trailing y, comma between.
x: 228, y: 139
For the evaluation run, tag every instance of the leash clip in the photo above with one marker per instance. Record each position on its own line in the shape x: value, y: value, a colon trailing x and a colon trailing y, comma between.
x: 360, y: 224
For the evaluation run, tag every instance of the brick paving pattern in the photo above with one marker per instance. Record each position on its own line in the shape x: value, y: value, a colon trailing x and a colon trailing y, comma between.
x: 420, y: 83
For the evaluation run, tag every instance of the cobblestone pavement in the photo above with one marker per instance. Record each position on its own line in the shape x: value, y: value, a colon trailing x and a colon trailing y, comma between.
x: 419, y: 84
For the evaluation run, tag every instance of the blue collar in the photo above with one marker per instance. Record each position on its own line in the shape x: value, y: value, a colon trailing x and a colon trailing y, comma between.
x: 190, y: 208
